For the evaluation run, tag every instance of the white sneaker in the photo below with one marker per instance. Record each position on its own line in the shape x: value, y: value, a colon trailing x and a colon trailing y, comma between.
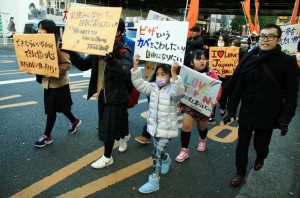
x: 102, y: 162
x: 123, y: 143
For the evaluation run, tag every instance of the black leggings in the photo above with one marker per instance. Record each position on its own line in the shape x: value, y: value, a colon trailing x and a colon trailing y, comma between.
x: 108, y: 147
x: 51, y: 118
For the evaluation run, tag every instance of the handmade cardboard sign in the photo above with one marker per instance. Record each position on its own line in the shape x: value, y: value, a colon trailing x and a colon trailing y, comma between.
x: 200, y: 90
x: 161, y: 41
x: 223, y: 60
x: 91, y: 30
x: 37, y: 53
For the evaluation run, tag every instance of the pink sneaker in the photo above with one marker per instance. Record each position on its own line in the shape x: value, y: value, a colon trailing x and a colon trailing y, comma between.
x: 201, y: 145
x: 184, y: 153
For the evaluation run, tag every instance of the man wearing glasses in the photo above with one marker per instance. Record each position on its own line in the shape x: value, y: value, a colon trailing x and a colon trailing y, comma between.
x: 266, y: 83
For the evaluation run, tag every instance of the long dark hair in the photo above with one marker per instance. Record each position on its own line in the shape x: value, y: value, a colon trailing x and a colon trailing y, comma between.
x: 166, y: 68
x: 50, y: 27
x: 197, y: 54
x: 226, y: 39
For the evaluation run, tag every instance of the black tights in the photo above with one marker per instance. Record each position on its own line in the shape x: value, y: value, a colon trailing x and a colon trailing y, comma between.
x: 203, y: 134
x: 108, y: 147
x: 185, y: 139
x: 51, y: 118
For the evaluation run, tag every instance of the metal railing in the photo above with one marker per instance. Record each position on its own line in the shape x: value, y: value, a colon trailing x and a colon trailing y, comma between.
x: 5, y: 39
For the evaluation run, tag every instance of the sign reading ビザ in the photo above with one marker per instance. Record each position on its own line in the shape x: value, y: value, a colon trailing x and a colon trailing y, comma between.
x: 161, y: 41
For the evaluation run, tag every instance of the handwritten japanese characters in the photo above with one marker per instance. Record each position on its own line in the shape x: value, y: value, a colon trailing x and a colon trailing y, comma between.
x: 223, y: 60
x: 91, y: 30
x: 152, y: 15
x: 161, y: 41
x: 200, y: 90
x: 289, y: 38
x: 37, y: 53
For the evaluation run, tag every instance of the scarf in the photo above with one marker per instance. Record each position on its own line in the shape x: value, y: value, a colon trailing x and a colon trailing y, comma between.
x: 251, y: 60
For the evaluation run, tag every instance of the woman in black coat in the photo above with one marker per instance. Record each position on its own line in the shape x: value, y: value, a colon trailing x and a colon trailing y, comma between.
x: 111, y: 80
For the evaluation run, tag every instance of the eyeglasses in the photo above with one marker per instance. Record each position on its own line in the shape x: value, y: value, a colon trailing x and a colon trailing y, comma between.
x: 270, y: 37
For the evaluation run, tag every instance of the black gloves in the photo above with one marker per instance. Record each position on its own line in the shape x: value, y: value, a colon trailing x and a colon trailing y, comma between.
x: 110, y: 58
x: 227, y: 118
x: 283, y: 126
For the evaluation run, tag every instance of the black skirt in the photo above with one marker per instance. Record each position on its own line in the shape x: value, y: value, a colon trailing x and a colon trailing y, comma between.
x: 57, y: 100
x: 113, y: 121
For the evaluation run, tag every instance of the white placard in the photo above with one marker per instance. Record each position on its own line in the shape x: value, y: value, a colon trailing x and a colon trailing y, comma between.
x: 152, y: 15
x: 290, y: 36
x: 200, y: 90
x: 161, y: 41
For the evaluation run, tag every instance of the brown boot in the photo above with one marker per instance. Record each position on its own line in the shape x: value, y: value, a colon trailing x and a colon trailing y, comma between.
x: 259, y: 163
x: 142, y: 140
x: 237, y: 181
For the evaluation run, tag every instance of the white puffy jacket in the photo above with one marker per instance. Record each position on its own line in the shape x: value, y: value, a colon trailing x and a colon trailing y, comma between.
x: 162, y: 118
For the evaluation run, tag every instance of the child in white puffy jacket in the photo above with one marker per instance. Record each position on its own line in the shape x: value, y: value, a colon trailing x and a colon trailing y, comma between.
x: 165, y: 91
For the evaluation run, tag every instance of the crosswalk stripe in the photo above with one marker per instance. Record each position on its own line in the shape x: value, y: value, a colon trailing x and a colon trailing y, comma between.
x: 10, y: 97
x: 17, y: 104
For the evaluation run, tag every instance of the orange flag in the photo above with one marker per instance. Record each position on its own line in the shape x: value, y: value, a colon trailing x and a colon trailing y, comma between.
x: 295, y: 12
x: 256, y: 23
x: 192, y: 16
x: 246, y: 7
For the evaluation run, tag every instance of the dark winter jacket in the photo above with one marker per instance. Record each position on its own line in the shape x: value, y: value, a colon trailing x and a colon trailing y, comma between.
x: 117, y: 79
x: 191, y: 45
x: 262, y: 102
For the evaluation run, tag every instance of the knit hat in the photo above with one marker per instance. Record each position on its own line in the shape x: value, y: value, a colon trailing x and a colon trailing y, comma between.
x: 121, y: 26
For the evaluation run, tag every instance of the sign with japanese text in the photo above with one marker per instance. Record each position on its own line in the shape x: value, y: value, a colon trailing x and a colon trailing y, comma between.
x: 37, y: 53
x: 152, y: 15
x: 289, y: 38
x: 91, y: 30
x: 223, y: 60
x: 200, y: 90
x: 161, y: 41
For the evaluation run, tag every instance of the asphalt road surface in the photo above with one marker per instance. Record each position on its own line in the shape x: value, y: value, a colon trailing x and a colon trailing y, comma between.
x: 62, y: 169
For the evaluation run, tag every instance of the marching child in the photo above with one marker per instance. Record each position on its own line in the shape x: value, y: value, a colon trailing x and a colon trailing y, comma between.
x: 198, y: 61
x: 165, y: 90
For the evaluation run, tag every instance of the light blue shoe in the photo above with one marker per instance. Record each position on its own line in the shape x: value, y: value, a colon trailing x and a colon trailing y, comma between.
x: 151, y: 186
x: 165, y: 165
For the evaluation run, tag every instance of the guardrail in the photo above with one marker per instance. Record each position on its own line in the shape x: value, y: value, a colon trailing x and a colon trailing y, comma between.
x: 5, y: 39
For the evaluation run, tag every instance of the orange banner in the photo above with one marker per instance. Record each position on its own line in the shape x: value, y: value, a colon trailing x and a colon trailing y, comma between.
x: 246, y: 7
x: 256, y: 22
x: 192, y: 16
x: 295, y: 12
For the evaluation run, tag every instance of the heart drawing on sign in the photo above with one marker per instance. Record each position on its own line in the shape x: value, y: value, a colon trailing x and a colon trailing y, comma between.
x: 220, y: 53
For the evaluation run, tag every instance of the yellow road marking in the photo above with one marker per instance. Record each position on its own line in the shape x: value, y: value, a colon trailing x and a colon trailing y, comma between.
x: 17, y: 104
x: 61, y: 174
x: 10, y: 97
x: 110, y: 179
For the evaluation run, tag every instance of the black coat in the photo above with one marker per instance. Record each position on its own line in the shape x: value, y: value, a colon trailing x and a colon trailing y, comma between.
x: 262, y: 102
x: 191, y: 45
x: 117, y: 77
